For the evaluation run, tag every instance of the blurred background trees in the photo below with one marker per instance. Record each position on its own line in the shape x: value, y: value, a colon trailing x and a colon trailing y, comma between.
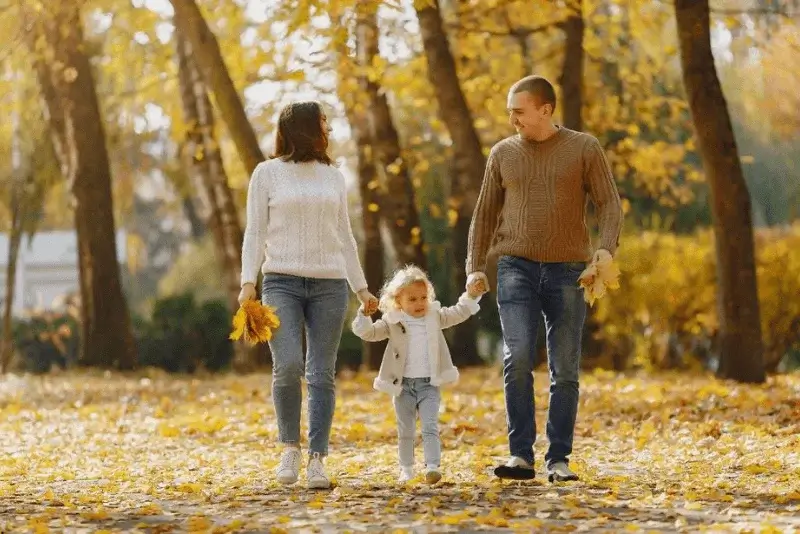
x: 148, y: 116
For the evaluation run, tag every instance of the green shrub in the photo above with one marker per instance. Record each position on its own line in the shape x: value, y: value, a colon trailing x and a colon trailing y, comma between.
x: 44, y: 339
x: 182, y: 336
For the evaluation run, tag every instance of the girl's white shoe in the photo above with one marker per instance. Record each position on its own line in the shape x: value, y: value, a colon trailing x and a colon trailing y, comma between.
x: 406, y: 474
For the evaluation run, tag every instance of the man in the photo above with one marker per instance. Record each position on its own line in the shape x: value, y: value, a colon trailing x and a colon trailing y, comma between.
x: 531, y: 213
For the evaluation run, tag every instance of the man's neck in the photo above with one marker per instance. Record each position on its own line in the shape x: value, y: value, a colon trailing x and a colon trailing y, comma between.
x: 545, y: 133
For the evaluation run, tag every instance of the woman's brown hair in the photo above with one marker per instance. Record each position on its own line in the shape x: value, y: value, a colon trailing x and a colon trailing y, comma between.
x: 301, y: 136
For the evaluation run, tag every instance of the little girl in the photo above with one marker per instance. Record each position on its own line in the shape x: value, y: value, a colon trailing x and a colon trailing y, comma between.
x: 416, y: 361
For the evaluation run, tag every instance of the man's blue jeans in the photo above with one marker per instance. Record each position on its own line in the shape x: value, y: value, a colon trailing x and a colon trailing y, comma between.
x: 526, y: 289
x: 319, y: 305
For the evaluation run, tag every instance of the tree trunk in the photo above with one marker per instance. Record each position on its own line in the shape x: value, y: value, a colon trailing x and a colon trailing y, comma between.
x: 372, y: 353
x: 571, y: 79
x: 741, y: 348
x: 14, y: 241
x: 204, y: 164
x: 196, y: 226
x: 399, y: 208
x: 528, y: 66
x: 351, y: 88
x: 469, y: 161
x: 212, y: 65
x: 68, y: 87
x: 205, y: 167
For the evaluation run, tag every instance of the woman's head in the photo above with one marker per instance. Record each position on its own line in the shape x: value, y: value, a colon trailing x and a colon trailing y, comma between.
x: 302, y: 133
x: 408, y: 290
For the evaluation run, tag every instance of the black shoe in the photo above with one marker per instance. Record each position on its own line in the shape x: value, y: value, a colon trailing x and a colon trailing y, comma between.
x: 515, y: 469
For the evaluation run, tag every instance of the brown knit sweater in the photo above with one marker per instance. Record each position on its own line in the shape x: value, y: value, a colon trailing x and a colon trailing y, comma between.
x: 534, y: 196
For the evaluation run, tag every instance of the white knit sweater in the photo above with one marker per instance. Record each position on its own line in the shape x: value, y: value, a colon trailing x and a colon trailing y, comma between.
x: 297, y: 224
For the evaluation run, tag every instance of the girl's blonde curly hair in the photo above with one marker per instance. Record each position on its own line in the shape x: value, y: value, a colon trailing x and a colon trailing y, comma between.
x: 402, y: 278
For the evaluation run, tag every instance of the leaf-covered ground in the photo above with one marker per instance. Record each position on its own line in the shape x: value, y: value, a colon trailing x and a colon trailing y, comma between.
x: 86, y: 452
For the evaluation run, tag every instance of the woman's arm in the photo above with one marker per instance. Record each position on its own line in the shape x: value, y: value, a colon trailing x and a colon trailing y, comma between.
x: 255, y: 230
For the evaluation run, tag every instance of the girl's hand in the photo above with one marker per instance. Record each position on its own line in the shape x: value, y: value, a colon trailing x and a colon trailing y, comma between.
x: 476, y: 289
x: 477, y: 285
x: 248, y: 292
x: 369, y: 304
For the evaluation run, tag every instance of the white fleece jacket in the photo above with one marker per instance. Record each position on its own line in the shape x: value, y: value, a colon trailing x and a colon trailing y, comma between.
x: 390, y: 376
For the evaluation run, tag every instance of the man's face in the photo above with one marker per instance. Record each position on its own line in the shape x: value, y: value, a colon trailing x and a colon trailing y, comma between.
x: 526, y: 115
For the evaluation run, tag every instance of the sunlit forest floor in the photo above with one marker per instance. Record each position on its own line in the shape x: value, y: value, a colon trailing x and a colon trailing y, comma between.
x: 156, y: 453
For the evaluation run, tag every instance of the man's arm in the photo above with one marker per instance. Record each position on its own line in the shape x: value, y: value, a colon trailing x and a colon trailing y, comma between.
x: 604, y: 194
x: 485, y: 216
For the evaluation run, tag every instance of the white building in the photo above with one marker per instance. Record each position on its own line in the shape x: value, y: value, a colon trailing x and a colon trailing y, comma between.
x: 47, y: 268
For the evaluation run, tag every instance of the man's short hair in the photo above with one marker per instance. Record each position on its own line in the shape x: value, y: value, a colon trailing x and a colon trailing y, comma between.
x: 539, y: 87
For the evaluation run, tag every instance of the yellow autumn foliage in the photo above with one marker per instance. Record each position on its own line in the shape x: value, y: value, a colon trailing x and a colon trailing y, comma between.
x: 667, y: 295
x: 254, y: 322
x: 599, y: 277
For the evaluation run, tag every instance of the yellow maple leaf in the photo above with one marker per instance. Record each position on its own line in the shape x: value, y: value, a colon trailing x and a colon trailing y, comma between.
x: 98, y: 514
x: 198, y: 523
x: 168, y: 431
x: 190, y: 487
x: 254, y: 322
x: 756, y: 469
x: 599, y: 277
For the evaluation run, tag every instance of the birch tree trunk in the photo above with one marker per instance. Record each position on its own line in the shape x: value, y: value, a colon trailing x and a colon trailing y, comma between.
x: 203, y: 162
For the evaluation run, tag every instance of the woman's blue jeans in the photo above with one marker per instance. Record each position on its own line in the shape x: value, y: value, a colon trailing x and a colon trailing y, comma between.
x: 317, y: 306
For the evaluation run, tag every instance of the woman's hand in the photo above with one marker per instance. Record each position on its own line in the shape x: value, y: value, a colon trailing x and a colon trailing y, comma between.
x: 248, y: 292
x: 369, y: 304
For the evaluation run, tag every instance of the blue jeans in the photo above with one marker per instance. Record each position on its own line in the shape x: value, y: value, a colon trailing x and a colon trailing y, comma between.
x: 319, y: 305
x: 526, y: 289
x: 418, y: 396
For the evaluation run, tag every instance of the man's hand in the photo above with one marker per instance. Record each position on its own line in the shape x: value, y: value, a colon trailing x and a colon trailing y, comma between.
x: 369, y: 304
x: 248, y: 292
x: 477, y: 284
x: 601, y: 255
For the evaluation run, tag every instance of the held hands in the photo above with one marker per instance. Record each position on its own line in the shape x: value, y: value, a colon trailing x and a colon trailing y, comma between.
x: 248, y: 292
x: 369, y: 304
x: 477, y: 284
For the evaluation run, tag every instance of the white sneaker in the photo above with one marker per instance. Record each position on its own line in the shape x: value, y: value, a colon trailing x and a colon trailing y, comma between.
x: 289, y: 468
x: 315, y: 472
x: 406, y: 474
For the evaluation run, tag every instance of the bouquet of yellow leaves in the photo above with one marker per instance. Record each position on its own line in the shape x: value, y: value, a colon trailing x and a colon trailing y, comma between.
x: 601, y: 275
x: 254, y: 322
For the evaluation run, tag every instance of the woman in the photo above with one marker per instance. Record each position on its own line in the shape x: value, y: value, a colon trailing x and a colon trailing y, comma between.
x: 298, y: 232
